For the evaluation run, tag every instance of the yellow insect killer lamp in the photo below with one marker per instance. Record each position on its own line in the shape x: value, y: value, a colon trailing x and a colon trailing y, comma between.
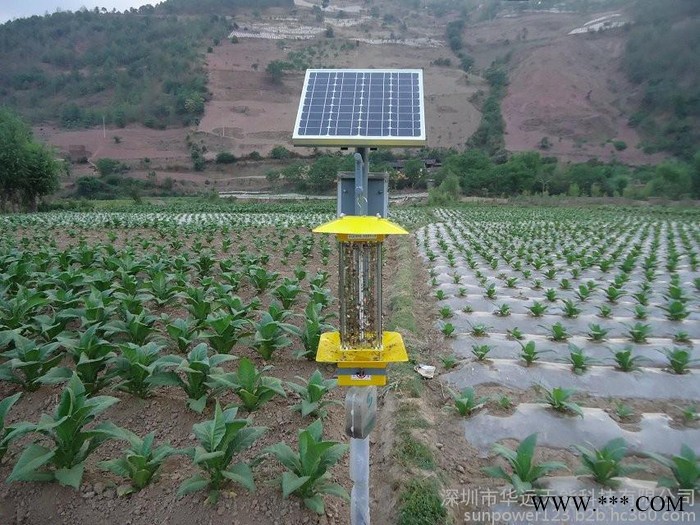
x: 361, y: 348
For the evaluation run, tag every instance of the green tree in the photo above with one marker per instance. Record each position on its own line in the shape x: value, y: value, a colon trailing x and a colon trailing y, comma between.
x: 276, y: 69
x: 273, y: 177
x: 107, y: 166
x: 414, y: 170
x: 323, y: 173
x: 672, y: 180
x: 695, y: 175
x: 448, y: 192
x: 28, y: 169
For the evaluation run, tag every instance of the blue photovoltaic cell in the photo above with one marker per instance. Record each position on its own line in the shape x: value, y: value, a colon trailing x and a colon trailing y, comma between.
x: 361, y: 103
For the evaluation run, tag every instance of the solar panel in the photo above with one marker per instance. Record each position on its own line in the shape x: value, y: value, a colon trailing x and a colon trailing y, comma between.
x: 361, y: 107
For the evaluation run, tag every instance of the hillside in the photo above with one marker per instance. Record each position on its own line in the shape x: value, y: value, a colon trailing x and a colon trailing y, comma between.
x: 229, y: 78
x: 144, y: 65
x: 663, y: 59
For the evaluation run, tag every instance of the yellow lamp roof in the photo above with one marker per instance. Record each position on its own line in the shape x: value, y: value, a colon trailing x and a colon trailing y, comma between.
x: 361, y: 225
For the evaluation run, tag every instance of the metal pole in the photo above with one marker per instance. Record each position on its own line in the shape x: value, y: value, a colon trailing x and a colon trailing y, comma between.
x: 359, y: 448
x: 361, y: 180
x: 359, y: 474
x: 360, y: 417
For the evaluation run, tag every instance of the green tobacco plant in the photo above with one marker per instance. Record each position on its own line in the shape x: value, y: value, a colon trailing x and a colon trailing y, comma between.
x: 685, y: 468
x: 570, y: 309
x: 72, y: 435
x: 163, y: 289
x: 503, y: 310
x: 237, y: 308
x: 681, y: 337
x: 307, y: 473
x: 558, y: 332
x: 48, y: 327
x: 505, y: 402
x: 198, y: 304
x: 5, y: 406
x: 613, y: 293
x: 300, y: 273
x: 466, y: 402
x: 287, y: 292
x: 261, y: 278
x: 690, y: 413
x: 448, y: 329
x: 199, y: 371
x: 139, y: 463
x: 605, y: 311
x: 479, y: 330
x: 529, y: 352
x: 446, y: 312
x: 223, y: 331
x: 310, y: 333
x: 625, y: 361
x: 278, y: 312
x: 91, y: 355
x: 312, y: 393
x: 135, y: 365
x: 182, y: 331
x: 583, y: 292
x: 320, y: 295
x: 580, y: 362
x: 676, y: 310
x: 449, y: 361
x: 138, y: 328
x: 550, y: 294
x: 558, y: 399
x: 516, y: 334
x: 596, y: 332
x: 605, y: 464
x: 640, y: 312
x: 537, y: 309
x: 481, y: 351
x: 28, y: 362
x: 524, y: 471
x: 270, y: 335
x: 679, y: 360
x: 623, y: 411
x: 250, y: 385
x: 18, y: 307
x: 220, y: 441
x: 639, y: 332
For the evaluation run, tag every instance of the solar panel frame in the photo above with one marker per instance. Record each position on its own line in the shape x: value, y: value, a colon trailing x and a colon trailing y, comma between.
x: 372, y: 134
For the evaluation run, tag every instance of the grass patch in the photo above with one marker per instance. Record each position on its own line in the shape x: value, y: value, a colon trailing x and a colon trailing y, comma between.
x: 408, y: 417
x: 421, y: 504
x: 401, y: 303
x: 411, y: 452
x: 409, y: 382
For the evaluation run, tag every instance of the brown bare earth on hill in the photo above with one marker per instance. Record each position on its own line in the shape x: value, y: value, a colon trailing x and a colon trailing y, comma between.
x: 256, y: 115
x: 569, y: 88
x: 135, y: 142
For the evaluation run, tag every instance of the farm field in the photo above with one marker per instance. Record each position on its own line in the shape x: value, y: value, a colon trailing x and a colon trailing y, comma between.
x: 579, y: 325
x: 126, y: 297
x: 149, y: 308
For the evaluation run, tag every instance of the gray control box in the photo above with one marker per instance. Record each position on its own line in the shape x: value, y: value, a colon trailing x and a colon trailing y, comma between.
x: 377, y: 194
